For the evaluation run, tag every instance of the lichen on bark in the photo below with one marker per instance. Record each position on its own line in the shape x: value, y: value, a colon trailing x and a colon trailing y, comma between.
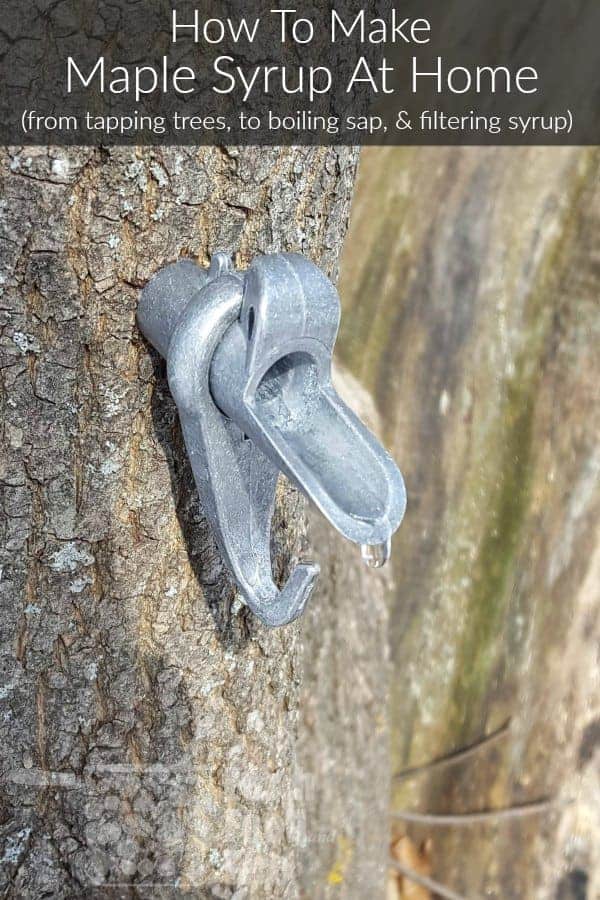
x: 480, y: 340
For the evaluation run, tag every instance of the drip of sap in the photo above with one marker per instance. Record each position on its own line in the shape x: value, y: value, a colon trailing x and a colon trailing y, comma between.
x: 376, y: 555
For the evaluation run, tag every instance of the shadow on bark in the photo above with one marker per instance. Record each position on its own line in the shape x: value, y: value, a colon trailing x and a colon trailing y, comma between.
x: 233, y: 626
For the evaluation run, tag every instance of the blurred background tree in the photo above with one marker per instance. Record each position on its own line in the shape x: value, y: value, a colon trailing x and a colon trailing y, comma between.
x: 470, y: 286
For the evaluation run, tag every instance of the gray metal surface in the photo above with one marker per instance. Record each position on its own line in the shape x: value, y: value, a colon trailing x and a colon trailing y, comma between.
x: 249, y: 365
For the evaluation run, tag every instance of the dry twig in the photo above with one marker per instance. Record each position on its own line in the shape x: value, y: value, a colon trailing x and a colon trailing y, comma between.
x: 456, y: 756
x: 470, y: 818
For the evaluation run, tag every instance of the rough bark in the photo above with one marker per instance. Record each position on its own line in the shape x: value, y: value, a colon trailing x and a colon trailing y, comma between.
x: 150, y: 727
x: 471, y: 311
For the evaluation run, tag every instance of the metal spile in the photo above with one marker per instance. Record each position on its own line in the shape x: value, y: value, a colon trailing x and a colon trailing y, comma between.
x: 249, y: 365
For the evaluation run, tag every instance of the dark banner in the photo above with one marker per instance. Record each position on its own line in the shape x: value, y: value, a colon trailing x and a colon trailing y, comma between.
x: 421, y: 72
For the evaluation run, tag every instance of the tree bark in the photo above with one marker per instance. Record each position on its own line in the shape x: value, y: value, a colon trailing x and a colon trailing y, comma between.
x: 155, y: 738
x: 470, y: 285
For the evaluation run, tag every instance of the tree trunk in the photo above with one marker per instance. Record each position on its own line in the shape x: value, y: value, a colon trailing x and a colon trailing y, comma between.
x: 470, y: 285
x: 155, y: 737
